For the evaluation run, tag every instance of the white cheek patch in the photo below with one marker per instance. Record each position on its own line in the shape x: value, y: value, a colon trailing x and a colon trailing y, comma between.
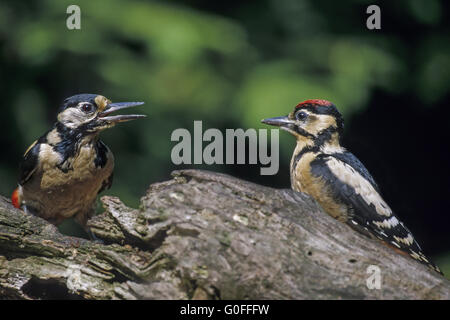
x: 319, y: 123
x: 362, y: 187
x: 73, y: 118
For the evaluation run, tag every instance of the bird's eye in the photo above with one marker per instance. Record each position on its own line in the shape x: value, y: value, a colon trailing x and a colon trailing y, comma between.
x: 301, y: 115
x: 87, y: 107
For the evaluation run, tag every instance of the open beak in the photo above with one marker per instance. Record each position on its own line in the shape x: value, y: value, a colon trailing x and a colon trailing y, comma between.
x: 113, y: 107
x: 278, y: 121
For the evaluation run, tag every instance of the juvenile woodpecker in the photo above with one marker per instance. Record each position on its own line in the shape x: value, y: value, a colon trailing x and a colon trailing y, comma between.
x: 337, y: 180
x: 62, y: 172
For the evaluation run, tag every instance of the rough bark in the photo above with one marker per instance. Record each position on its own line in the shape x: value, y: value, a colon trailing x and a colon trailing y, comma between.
x: 205, y: 235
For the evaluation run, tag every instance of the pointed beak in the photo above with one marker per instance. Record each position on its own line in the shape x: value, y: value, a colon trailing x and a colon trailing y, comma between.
x: 278, y: 121
x: 113, y: 107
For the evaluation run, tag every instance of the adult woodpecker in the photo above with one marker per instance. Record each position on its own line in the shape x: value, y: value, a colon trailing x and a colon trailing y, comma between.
x: 63, y: 171
x: 337, y: 180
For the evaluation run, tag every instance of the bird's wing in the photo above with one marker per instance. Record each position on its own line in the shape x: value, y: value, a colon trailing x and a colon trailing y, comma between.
x: 351, y: 184
x: 29, y: 163
x: 349, y: 158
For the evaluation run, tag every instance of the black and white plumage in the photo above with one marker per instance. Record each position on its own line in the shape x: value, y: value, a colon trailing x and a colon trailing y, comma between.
x: 338, y: 181
x: 63, y: 171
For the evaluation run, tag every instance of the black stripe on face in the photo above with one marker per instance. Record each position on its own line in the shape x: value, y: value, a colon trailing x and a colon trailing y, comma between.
x: 323, y: 137
x: 68, y: 145
x: 326, y: 110
x: 302, y: 132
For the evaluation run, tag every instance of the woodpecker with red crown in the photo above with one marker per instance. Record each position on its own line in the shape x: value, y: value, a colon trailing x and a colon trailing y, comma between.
x: 337, y: 180
x: 63, y: 171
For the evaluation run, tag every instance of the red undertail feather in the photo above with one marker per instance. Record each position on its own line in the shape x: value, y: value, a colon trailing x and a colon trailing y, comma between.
x: 15, y: 198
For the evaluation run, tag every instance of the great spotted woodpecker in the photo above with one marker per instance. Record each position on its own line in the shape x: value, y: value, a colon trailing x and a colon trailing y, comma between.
x: 337, y: 180
x: 62, y: 172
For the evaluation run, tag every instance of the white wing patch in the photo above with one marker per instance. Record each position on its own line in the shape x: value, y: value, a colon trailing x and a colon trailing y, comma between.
x: 331, y: 148
x: 49, y: 156
x: 387, y: 223
x: 421, y: 257
x: 362, y: 187
x: 408, y: 240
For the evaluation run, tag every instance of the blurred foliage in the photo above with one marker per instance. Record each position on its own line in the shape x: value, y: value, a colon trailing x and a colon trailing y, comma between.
x: 229, y: 64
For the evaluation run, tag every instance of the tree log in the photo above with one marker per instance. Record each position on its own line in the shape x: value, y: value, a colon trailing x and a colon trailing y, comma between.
x: 205, y: 235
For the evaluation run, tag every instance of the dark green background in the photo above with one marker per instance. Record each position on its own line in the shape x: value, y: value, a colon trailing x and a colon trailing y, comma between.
x: 231, y: 64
